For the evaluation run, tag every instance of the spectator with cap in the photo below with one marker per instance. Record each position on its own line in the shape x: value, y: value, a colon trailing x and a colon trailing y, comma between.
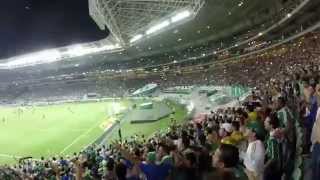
x: 225, y: 133
x: 254, y: 155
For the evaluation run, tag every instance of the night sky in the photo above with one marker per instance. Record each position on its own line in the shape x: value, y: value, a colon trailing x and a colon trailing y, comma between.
x: 31, y: 25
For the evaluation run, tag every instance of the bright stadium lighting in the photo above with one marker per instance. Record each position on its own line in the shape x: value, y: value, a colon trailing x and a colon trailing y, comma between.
x: 136, y: 38
x: 111, y: 46
x: 78, y: 50
x: 3, y: 66
x: 180, y: 16
x: 116, y: 108
x: 46, y: 56
x: 105, y: 48
x: 54, y: 55
x: 158, y: 27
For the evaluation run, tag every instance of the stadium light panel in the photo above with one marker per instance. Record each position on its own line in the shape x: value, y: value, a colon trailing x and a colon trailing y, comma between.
x: 106, y: 48
x: 78, y: 50
x: 46, y: 56
x: 54, y: 55
x: 136, y: 38
x: 158, y: 27
x: 180, y: 16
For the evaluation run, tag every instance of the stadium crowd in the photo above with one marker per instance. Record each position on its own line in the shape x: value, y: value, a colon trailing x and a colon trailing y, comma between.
x: 264, y: 138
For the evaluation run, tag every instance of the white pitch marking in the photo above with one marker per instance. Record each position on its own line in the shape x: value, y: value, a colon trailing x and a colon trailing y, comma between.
x: 79, y: 137
x: 9, y: 156
x: 49, y: 130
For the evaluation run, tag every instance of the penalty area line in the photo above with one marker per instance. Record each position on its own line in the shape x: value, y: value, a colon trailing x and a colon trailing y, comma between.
x: 79, y: 137
x: 9, y: 156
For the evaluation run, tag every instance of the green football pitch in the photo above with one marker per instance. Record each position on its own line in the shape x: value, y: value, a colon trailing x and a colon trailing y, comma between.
x: 59, y: 130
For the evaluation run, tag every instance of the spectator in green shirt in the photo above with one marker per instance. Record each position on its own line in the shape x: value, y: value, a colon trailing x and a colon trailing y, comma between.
x: 272, y: 168
x: 286, y: 122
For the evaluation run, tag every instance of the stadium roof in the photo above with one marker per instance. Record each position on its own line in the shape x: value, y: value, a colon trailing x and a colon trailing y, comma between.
x: 130, y: 20
x: 218, y: 24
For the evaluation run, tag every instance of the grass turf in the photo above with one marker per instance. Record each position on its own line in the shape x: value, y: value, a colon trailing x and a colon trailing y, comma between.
x: 128, y: 129
x: 66, y: 128
x: 51, y: 130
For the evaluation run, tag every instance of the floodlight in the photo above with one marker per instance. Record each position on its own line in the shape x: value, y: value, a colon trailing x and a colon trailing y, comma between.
x: 54, y: 55
x: 158, y: 27
x: 180, y: 16
x: 104, y: 48
x: 126, y: 18
x: 35, y: 58
x: 78, y: 50
x: 111, y: 46
x: 136, y: 38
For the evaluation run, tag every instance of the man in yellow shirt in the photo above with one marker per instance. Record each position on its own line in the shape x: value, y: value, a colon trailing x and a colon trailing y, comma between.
x: 236, y: 135
x: 252, y: 114
x: 225, y: 134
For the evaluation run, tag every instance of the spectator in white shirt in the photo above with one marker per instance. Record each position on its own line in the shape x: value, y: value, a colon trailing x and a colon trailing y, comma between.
x: 254, y: 156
